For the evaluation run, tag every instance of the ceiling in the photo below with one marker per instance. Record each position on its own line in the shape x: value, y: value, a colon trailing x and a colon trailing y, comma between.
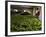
x: 22, y: 6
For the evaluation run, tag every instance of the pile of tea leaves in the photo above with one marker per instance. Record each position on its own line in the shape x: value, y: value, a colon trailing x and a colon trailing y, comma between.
x: 25, y: 23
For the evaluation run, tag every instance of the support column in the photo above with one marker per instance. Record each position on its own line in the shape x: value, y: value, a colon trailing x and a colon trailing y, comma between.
x: 34, y: 11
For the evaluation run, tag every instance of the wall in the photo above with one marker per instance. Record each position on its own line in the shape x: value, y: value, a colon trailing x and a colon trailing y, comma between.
x: 2, y: 19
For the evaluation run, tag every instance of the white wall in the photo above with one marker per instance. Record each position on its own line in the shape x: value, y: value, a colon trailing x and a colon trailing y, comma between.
x: 2, y: 18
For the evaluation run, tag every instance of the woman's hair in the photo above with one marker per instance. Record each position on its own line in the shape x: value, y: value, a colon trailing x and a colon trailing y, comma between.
x: 37, y: 8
